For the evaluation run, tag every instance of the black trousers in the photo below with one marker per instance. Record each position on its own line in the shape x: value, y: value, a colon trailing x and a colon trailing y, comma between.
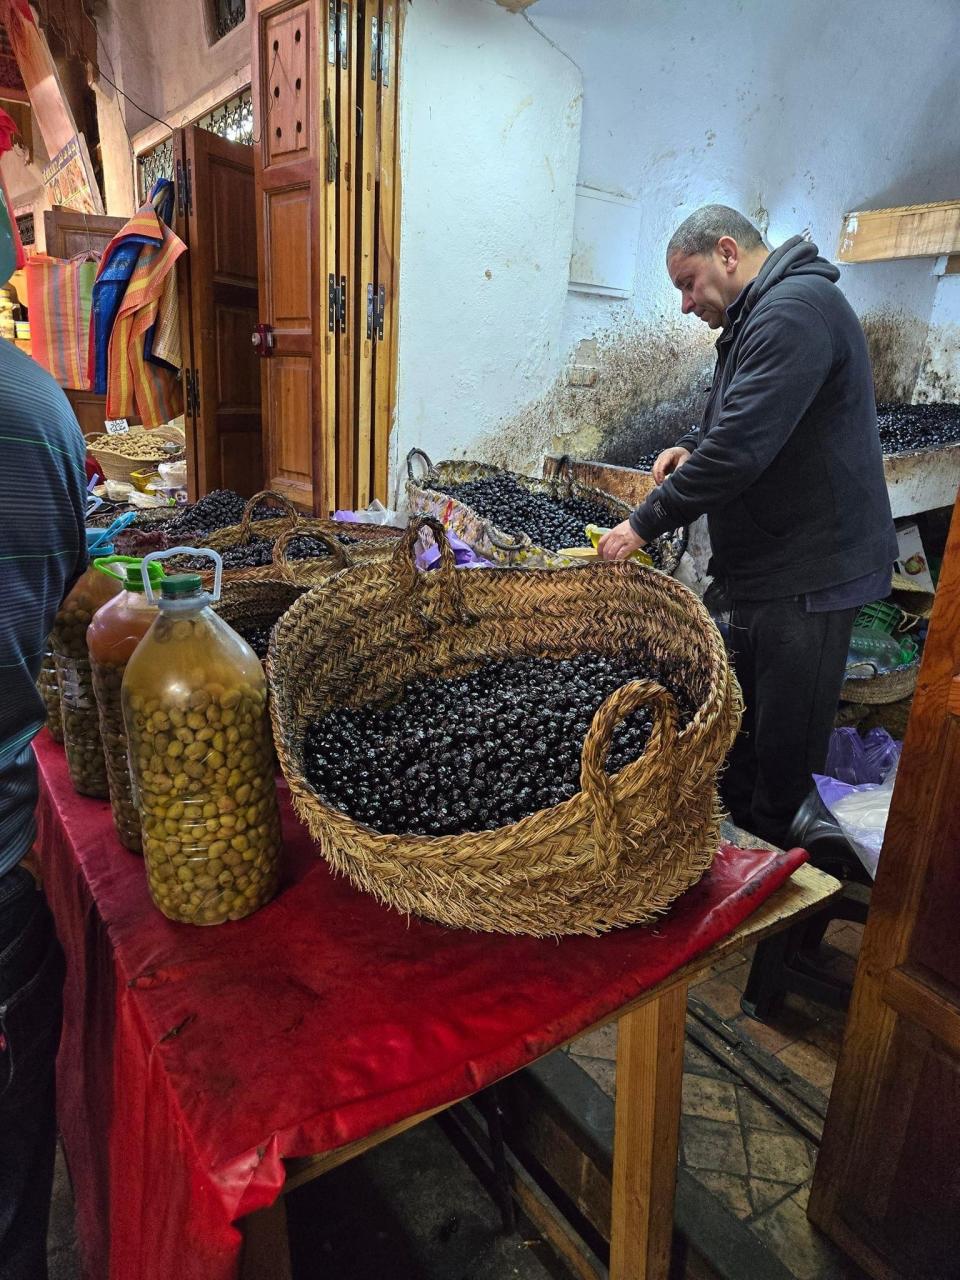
x: 31, y: 988
x: 790, y: 665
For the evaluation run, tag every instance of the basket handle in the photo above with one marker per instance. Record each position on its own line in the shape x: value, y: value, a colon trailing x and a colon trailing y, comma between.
x: 409, y: 578
x: 338, y: 551
x: 246, y: 520
x: 518, y: 545
x: 418, y: 453
x: 658, y: 757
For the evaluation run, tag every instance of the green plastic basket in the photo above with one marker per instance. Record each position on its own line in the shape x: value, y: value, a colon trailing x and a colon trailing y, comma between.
x: 880, y: 616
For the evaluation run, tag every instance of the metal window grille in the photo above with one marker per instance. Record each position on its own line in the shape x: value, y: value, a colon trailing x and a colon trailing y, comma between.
x: 232, y: 119
x: 26, y: 228
x: 228, y: 14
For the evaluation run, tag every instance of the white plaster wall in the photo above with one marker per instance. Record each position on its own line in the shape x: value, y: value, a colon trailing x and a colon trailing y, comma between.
x: 940, y: 370
x: 795, y: 112
x: 490, y: 126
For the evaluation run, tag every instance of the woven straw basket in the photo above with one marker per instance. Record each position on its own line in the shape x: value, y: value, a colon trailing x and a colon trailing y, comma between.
x: 310, y: 572
x: 118, y: 466
x: 426, y: 495
x: 244, y: 604
x: 616, y: 853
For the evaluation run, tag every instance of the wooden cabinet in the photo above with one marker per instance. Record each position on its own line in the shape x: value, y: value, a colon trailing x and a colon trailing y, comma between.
x: 887, y: 1185
x: 325, y: 94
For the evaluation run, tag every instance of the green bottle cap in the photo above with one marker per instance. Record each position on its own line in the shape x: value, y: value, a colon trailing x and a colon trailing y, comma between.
x: 180, y: 585
x: 134, y: 578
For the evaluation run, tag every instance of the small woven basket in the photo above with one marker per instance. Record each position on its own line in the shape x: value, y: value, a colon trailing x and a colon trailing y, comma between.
x: 427, y: 495
x: 891, y: 686
x: 118, y: 466
x: 616, y: 853
x: 316, y: 569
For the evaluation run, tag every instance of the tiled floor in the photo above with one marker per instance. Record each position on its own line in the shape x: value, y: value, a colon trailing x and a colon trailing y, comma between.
x: 732, y: 1142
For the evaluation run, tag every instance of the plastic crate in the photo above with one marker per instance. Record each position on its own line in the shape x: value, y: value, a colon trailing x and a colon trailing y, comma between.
x: 880, y: 616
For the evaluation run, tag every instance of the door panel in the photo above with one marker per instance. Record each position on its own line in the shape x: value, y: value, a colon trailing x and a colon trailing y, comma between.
x: 887, y: 1184
x: 289, y: 247
x: 289, y: 85
x: 326, y: 97
x: 219, y: 312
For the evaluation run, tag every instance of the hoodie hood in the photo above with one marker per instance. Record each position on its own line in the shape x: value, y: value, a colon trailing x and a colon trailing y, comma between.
x: 795, y: 257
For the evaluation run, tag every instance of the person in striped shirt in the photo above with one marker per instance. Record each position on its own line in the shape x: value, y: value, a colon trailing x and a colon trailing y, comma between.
x: 42, y: 551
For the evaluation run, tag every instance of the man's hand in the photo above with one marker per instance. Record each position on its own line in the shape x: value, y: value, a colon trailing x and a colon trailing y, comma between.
x: 669, y: 461
x: 618, y: 542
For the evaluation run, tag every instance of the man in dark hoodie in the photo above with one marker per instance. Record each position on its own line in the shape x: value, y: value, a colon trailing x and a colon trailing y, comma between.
x: 787, y: 467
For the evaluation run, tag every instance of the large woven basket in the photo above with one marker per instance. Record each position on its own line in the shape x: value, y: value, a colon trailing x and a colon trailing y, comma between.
x: 426, y: 495
x: 625, y: 845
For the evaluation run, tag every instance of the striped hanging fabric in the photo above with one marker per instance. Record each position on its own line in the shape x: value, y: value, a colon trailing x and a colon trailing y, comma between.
x: 135, y: 385
x: 59, y: 295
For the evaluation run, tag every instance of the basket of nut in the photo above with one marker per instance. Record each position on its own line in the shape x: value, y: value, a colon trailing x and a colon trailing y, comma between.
x: 519, y: 520
x: 527, y: 752
x: 119, y: 456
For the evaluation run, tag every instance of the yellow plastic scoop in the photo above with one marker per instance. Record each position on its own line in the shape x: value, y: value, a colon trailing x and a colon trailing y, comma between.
x: 595, y: 533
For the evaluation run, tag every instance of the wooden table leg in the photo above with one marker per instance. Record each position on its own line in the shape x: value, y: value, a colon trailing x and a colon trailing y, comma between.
x: 649, y: 1083
x: 266, y: 1249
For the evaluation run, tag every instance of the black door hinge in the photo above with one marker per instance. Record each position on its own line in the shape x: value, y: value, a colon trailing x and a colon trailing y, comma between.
x: 187, y: 392
x: 196, y: 393
x: 336, y: 304
x: 183, y: 178
x: 376, y: 307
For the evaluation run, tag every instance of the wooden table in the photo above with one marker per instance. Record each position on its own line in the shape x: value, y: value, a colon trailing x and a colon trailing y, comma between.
x: 650, y: 1044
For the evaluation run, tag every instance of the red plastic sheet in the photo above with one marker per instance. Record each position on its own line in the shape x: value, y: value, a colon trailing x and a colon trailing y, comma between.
x: 193, y: 1060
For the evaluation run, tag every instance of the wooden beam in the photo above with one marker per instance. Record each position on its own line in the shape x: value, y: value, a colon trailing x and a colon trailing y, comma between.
x: 910, y: 231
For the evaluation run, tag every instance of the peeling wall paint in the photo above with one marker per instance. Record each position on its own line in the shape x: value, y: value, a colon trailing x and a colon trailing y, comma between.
x: 939, y: 378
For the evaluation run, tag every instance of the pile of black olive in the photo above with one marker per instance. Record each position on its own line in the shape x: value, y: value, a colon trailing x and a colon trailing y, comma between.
x: 905, y: 428
x: 479, y: 751
x: 216, y: 510
x: 259, y: 551
x: 549, y: 522
x: 645, y: 461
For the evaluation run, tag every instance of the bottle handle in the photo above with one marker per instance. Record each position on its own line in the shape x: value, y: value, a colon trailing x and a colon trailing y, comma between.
x: 182, y: 551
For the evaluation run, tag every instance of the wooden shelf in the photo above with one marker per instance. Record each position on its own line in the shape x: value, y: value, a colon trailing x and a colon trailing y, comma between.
x: 910, y: 231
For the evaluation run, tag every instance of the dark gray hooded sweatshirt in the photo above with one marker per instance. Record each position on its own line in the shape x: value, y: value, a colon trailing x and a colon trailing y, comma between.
x: 787, y: 463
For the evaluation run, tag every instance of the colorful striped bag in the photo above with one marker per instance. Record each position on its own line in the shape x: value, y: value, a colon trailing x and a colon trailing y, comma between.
x: 59, y: 295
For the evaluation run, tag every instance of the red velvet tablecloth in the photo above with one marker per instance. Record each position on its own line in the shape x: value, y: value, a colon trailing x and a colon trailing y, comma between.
x: 193, y: 1060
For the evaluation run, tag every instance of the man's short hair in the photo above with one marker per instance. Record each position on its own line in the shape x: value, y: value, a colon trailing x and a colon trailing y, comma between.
x: 700, y: 232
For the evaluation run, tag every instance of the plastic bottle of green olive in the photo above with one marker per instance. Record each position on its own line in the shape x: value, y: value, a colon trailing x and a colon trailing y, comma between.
x: 112, y: 638
x: 78, y: 704
x: 201, y: 757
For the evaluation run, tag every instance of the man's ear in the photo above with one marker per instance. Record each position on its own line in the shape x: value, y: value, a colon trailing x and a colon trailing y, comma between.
x: 729, y: 253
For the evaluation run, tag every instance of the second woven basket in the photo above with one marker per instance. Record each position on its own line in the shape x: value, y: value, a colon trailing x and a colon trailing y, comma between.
x: 617, y: 852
